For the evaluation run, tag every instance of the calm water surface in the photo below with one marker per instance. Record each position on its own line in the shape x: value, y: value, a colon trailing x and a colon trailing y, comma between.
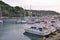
x: 15, y: 32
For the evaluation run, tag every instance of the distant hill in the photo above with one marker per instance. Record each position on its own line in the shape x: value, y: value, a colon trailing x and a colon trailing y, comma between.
x: 9, y: 11
x: 44, y: 12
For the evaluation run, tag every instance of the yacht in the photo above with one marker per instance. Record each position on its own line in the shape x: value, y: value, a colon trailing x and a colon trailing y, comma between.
x: 40, y: 29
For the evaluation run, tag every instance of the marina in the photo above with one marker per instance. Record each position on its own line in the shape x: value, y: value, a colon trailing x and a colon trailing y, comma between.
x: 10, y: 30
x: 29, y: 20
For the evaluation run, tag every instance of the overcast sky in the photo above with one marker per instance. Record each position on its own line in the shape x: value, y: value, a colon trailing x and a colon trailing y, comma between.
x: 36, y: 4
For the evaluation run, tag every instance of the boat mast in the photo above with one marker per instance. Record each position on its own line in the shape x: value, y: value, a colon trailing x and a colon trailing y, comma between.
x: 0, y: 12
x: 30, y: 12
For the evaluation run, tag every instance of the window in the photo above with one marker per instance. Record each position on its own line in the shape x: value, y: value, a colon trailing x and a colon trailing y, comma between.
x: 52, y: 21
x: 33, y: 27
x: 40, y: 29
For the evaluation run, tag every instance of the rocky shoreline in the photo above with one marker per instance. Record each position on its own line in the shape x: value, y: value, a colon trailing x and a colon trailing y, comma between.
x: 57, y: 37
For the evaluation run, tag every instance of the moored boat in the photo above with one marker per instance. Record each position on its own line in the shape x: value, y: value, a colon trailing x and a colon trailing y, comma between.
x: 39, y: 29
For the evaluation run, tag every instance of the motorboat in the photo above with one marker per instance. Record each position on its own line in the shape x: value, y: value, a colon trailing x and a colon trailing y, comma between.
x: 39, y: 29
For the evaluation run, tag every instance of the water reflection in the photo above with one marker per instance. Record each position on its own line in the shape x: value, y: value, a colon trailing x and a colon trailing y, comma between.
x: 32, y: 36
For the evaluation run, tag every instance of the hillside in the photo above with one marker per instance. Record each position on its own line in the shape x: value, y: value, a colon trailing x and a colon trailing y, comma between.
x: 9, y: 11
x: 43, y: 12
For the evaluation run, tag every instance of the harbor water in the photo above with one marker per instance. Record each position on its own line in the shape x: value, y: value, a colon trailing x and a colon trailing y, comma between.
x: 13, y: 31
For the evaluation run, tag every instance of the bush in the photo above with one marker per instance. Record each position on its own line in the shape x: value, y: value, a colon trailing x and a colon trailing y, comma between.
x: 40, y: 38
x: 52, y: 34
x: 58, y: 31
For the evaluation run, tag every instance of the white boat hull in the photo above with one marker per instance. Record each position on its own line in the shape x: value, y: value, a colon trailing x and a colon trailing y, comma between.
x: 42, y: 33
x: 1, y: 21
x: 37, y: 32
x: 21, y: 21
x: 30, y: 22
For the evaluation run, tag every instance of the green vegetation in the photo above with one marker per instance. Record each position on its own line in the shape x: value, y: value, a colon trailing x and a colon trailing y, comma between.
x: 53, y: 34
x: 9, y: 11
x: 58, y: 31
x: 41, y: 38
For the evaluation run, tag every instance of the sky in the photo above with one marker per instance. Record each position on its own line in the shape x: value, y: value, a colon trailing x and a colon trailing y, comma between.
x: 53, y: 5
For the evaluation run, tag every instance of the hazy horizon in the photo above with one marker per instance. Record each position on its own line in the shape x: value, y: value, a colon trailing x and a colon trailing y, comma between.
x: 53, y: 5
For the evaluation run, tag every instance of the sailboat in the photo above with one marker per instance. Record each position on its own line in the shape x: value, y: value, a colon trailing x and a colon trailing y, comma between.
x: 30, y: 20
x: 21, y: 20
x: 1, y: 19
